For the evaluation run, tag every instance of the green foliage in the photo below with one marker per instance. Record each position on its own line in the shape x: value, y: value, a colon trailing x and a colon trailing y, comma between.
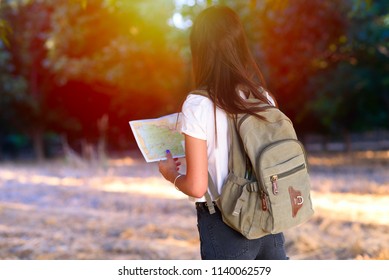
x: 13, y: 94
x: 66, y: 63
x: 29, y: 24
x: 325, y: 61
x: 351, y: 93
x: 120, y: 58
x: 5, y: 30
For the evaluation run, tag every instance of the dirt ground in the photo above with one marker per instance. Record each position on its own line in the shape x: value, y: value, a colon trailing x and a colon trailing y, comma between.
x: 124, y: 209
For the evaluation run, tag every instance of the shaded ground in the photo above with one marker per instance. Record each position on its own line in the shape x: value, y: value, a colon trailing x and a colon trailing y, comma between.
x: 71, y: 210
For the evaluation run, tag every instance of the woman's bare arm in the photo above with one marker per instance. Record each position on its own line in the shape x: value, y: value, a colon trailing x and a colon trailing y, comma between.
x: 195, y: 182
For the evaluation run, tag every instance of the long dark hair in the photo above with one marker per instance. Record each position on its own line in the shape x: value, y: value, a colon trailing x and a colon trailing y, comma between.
x: 222, y: 61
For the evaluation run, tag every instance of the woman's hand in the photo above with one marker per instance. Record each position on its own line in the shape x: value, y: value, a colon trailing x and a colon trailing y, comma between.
x: 169, y: 167
x: 195, y: 182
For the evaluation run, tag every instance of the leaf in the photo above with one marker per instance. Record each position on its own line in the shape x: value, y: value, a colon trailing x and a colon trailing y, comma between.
x: 5, y: 30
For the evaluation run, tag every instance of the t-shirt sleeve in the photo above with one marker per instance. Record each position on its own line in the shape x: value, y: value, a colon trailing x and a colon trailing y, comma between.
x: 196, y: 111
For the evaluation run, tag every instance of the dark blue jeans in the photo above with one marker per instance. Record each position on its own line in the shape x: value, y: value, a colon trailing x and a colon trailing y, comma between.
x: 218, y: 241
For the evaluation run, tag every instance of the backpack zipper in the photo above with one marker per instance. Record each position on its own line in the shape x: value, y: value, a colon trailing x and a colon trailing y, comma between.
x: 274, y: 178
x: 263, y: 198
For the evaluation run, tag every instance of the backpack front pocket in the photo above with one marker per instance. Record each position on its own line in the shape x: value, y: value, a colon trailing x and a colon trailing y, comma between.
x: 288, y: 194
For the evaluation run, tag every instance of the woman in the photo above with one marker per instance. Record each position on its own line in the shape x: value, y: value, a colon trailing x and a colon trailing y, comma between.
x: 224, y: 66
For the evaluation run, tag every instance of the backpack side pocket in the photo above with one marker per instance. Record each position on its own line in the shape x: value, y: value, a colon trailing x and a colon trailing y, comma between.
x: 241, y: 206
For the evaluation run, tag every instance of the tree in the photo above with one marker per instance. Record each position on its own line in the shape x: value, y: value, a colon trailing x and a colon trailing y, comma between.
x: 292, y: 39
x: 13, y: 89
x: 29, y: 23
x: 351, y: 91
x: 83, y: 60
x: 70, y: 64
x: 320, y: 56
x: 130, y: 56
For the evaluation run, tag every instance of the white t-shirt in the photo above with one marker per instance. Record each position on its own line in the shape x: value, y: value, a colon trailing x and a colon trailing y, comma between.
x: 199, y: 122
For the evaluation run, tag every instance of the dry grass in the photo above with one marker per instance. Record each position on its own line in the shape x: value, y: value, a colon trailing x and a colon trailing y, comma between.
x: 363, y: 158
x: 351, y: 200
x: 59, y: 210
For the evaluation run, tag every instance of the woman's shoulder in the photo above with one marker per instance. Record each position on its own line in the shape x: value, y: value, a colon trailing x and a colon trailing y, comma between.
x: 194, y: 99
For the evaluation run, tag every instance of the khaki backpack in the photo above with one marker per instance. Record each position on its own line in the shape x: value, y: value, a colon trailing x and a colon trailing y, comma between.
x: 268, y: 186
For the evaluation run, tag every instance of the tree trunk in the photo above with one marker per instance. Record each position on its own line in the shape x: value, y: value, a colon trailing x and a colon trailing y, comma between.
x: 1, y: 147
x: 37, y: 138
x: 102, y: 125
x: 347, y: 141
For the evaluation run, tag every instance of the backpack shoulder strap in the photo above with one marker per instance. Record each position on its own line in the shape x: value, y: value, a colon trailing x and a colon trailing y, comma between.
x: 212, y: 189
x: 239, y: 153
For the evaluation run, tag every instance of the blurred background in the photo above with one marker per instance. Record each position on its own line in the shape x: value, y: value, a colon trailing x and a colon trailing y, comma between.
x: 76, y: 71
x: 73, y: 73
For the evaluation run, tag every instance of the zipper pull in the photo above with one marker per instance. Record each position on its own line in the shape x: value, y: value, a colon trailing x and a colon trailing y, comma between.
x: 264, y: 204
x: 274, y: 185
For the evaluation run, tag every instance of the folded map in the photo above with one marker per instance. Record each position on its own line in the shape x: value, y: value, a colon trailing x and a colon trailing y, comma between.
x: 155, y: 136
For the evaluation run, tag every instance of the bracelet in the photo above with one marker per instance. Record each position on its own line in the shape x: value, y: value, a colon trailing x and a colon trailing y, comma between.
x: 174, y: 183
